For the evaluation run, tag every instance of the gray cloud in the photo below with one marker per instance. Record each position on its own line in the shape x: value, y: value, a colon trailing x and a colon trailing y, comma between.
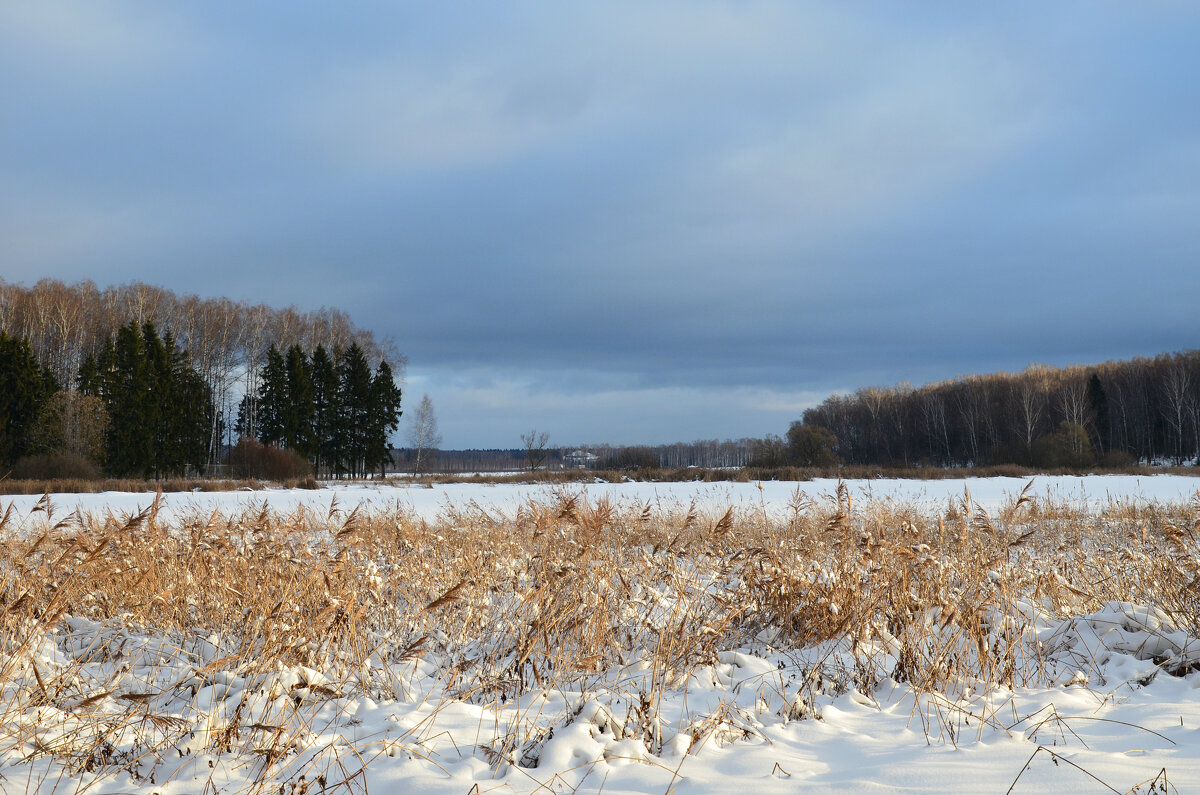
x: 575, y: 216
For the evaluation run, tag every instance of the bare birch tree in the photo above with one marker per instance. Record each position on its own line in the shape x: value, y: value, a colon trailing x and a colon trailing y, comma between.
x: 423, y: 436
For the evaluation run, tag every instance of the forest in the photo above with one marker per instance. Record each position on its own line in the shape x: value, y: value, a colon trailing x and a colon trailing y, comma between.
x: 136, y: 380
x: 1112, y: 414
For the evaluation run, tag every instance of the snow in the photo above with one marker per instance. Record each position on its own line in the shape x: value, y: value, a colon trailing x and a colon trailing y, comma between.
x: 1117, y: 706
x: 727, y: 728
x: 990, y: 493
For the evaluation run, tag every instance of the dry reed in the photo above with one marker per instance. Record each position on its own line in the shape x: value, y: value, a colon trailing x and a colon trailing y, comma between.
x: 560, y: 594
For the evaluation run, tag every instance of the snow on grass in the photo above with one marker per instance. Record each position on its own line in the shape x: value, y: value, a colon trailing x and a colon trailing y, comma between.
x: 625, y: 638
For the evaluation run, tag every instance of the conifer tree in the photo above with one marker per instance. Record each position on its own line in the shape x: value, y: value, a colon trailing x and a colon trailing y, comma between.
x: 325, y: 410
x: 160, y: 409
x: 125, y: 386
x: 298, y: 407
x: 189, y: 416
x: 24, y: 390
x: 272, y: 398
x: 354, y: 406
x: 383, y: 418
x: 245, y: 425
x: 329, y: 409
x: 1098, y: 401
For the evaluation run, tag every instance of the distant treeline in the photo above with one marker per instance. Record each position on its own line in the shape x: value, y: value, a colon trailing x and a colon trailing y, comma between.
x: 1115, y: 413
x: 225, y: 341
x: 706, y: 453
x: 464, y: 461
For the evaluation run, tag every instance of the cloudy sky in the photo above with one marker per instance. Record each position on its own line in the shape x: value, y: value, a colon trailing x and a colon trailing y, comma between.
x: 628, y: 221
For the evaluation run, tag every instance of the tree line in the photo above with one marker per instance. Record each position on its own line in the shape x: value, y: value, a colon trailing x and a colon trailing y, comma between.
x: 329, y: 409
x: 126, y: 399
x: 1115, y: 413
x: 154, y: 404
x: 139, y: 408
x: 703, y: 453
x: 225, y: 341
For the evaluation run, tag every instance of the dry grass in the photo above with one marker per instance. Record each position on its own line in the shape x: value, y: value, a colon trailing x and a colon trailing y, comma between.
x: 11, y: 486
x: 555, y: 596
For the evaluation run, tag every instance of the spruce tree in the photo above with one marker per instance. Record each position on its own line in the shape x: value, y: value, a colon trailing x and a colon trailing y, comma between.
x: 126, y: 387
x: 325, y: 410
x: 24, y: 390
x: 272, y: 398
x: 161, y: 401
x: 190, y: 415
x: 244, y: 425
x: 383, y: 418
x: 1098, y: 401
x: 354, y: 406
x: 298, y: 408
x: 160, y: 408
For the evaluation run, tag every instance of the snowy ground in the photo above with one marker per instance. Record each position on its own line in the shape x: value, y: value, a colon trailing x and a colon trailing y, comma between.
x: 729, y: 727
x: 990, y: 493
x: 1116, y: 709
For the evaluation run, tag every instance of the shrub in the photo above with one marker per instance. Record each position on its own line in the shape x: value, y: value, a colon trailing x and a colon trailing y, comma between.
x: 54, y: 466
x: 253, y: 459
x: 812, y: 445
x: 1069, y: 446
x: 1117, y: 459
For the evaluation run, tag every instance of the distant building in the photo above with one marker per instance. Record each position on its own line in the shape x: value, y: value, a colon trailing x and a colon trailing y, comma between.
x: 580, y: 459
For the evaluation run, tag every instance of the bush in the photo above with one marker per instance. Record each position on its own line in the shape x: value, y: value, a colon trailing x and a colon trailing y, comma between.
x: 308, y: 482
x: 812, y: 445
x: 253, y: 459
x: 1117, y: 459
x: 1069, y: 446
x: 54, y: 466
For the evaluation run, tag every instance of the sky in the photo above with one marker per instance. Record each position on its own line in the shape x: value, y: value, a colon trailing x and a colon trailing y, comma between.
x: 627, y: 222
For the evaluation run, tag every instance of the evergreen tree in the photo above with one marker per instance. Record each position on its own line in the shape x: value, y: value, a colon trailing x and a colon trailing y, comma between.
x: 161, y: 399
x: 188, y: 416
x: 159, y: 407
x: 384, y: 417
x: 325, y: 410
x: 24, y: 390
x: 244, y: 426
x: 811, y: 445
x: 272, y: 398
x: 298, y: 408
x: 1098, y: 401
x: 88, y: 376
x: 126, y: 387
x: 354, y: 407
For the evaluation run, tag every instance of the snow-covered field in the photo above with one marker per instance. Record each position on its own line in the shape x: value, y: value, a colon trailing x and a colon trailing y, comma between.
x: 990, y: 493
x: 528, y: 650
